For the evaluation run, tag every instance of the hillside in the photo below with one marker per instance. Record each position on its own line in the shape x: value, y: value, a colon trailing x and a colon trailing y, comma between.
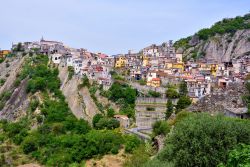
x: 225, y: 40
x: 46, y: 131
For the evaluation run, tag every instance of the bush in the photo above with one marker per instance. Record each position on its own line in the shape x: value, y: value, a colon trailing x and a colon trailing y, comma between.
x: 1, y: 60
x: 37, y: 84
x: 161, y: 128
x: 29, y: 145
x: 96, y: 119
x: 107, y: 123
x: 154, y: 94
x: 131, y: 143
x: 85, y: 82
x: 240, y: 156
x: 110, y: 113
x: 204, y: 140
x: 2, y: 81
x: 71, y: 72
x: 183, y: 102
x: 172, y: 93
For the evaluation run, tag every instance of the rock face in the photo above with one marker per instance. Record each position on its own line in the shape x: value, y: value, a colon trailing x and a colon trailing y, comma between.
x: 18, y: 102
x: 221, y: 48
x: 10, y: 67
x: 220, y: 99
x: 80, y: 101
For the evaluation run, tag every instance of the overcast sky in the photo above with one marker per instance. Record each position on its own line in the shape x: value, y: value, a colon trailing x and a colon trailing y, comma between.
x: 110, y: 26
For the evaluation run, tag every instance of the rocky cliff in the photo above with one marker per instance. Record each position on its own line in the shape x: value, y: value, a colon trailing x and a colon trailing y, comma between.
x: 224, y: 41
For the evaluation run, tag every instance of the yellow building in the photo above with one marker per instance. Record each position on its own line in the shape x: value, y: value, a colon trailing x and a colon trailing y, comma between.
x: 145, y: 61
x: 120, y: 62
x: 214, y: 68
x: 3, y: 53
x: 178, y: 66
x: 168, y: 65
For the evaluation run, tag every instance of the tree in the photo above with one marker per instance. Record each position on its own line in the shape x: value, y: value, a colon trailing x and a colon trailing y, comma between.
x: 183, y: 88
x: 19, y: 47
x: 172, y: 93
x: 170, y: 108
x: 85, y: 82
x: 96, y: 119
x: 161, y: 128
x: 129, y: 111
x: 183, y: 102
x: 107, y: 123
x: 240, y: 156
x: 29, y: 145
x: 110, y: 113
x: 131, y: 143
x: 204, y: 140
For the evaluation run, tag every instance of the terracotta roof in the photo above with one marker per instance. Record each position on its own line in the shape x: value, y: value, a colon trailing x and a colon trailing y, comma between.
x: 156, y: 79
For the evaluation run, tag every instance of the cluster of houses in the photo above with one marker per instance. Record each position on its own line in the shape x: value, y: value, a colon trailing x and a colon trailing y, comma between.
x: 160, y: 65
x: 96, y: 66
x: 155, y: 65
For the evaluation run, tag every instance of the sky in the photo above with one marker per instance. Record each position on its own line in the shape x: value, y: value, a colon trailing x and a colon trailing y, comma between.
x: 111, y: 26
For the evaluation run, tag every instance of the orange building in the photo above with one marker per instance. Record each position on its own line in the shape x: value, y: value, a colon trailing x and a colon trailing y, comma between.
x: 3, y: 53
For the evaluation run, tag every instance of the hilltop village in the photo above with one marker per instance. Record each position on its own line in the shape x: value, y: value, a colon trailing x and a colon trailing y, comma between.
x: 155, y: 72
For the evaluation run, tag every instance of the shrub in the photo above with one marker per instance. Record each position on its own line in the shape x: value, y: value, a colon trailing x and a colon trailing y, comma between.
x: 110, y: 113
x: 160, y: 128
x: 71, y: 72
x: 183, y: 102
x: 131, y: 143
x: 2, y: 81
x: 154, y: 94
x: 172, y: 93
x: 204, y: 140
x: 29, y: 145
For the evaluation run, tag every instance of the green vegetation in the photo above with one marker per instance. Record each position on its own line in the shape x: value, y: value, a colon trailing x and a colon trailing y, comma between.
x: 246, y: 97
x: 172, y: 93
x: 183, y: 102
x: 153, y: 94
x: 110, y: 112
x: 1, y: 60
x: 142, y: 82
x: 225, y: 26
x: 85, y: 82
x: 2, y: 81
x: 116, y: 76
x: 4, y: 97
x: 123, y: 95
x: 170, y: 108
x: 204, y: 140
x: 71, y: 72
x: 106, y: 123
x: 183, y: 88
x: 183, y: 43
x: 139, y: 157
x: 240, y: 156
x: 161, y: 128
